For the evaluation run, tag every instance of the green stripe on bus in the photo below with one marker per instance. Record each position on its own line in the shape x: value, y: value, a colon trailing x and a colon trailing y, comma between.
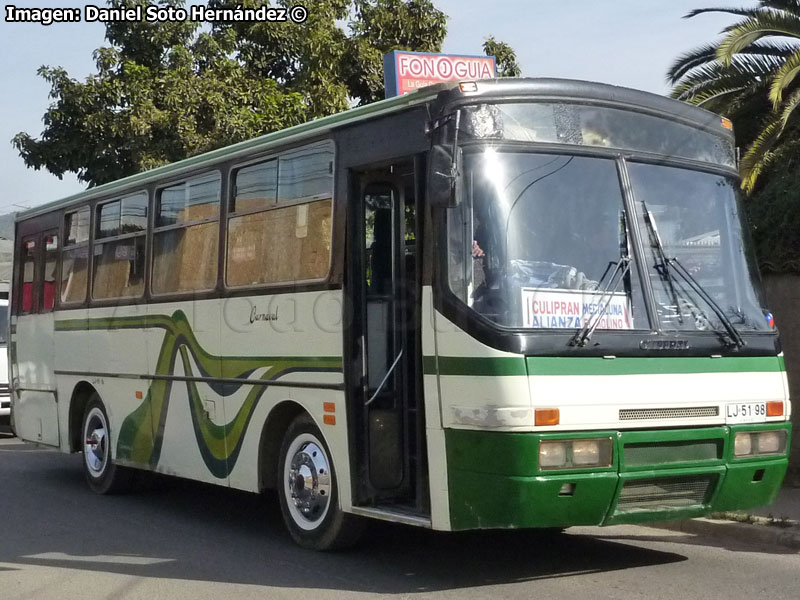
x: 651, y: 366
x: 479, y: 367
x: 553, y: 366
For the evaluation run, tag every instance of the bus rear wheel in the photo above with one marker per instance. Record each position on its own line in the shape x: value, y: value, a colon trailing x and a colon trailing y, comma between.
x: 307, y: 491
x: 102, y: 475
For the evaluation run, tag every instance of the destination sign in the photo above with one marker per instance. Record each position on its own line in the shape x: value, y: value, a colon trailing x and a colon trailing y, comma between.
x: 572, y: 309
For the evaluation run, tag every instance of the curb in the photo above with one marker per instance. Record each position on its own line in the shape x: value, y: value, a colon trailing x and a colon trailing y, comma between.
x: 786, y: 537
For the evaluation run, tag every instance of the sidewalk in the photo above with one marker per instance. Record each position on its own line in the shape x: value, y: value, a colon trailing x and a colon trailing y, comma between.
x: 777, y: 524
x: 785, y: 507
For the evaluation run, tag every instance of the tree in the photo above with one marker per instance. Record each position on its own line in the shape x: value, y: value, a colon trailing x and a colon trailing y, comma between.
x: 751, y: 75
x: 167, y: 91
x: 506, y: 57
x: 774, y: 212
x: 162, y: 92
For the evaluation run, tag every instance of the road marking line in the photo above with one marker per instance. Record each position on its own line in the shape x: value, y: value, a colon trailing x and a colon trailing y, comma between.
x: 103, y: 558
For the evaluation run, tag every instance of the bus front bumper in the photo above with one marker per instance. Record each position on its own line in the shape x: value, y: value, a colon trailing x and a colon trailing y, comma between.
x: 494, y: 480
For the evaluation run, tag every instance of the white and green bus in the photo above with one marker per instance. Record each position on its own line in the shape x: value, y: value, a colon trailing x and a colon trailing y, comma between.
x: 498, y: 304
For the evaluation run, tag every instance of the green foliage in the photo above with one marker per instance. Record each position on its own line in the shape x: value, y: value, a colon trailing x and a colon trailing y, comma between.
x: 751, y: 76
x: 774, y: 212
x: 506, y: 57
x: 162, y: 92
x: 167, y: 91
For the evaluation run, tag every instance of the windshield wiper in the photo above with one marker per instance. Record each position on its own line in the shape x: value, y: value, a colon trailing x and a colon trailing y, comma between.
x: 664, y: 270
x: 583, y: 336
x: 735, y: 338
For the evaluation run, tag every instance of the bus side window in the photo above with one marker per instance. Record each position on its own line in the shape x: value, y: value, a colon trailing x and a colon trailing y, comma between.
x: 28, y: 273
x: 279, y: 230
x: 120, y: 231
x: 186, y: 238
x: 75, y: 257
x: 47, y: 289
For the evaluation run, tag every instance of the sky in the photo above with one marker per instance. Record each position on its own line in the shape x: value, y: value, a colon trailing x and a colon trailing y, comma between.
x: 623, y: 42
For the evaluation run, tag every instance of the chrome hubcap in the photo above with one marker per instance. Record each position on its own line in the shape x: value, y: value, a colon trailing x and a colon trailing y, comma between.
x: 95, y: 445
x: 308, y: 482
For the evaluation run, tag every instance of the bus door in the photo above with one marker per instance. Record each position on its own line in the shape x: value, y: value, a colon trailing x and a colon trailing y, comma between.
x: 36, y: 408
x: 384, y: 289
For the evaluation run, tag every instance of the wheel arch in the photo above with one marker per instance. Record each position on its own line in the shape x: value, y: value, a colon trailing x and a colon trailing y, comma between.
x: 81, y: 394
x: 269, y: 448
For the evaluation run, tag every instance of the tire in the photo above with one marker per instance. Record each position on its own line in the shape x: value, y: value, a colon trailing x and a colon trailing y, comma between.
x: 102, y: 475
x: 307, y: 491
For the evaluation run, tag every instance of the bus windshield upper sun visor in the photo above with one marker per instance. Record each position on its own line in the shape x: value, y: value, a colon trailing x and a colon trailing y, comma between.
x: 599, y: 127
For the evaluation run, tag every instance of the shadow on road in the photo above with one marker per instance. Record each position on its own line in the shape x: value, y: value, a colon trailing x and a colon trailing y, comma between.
x: 204, y: 533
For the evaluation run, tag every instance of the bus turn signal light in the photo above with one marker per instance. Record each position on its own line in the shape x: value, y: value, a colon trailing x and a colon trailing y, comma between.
x: 774, y: 409
x: 547, y: 416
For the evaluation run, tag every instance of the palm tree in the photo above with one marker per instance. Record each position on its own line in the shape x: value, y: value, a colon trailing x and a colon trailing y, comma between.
x: 752, y: 75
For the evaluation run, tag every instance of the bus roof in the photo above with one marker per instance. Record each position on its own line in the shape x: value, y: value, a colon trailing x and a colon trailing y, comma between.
x: 446, y: 93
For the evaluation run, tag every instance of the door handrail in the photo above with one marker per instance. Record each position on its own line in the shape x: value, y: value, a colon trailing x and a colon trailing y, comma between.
x: 385, y: 379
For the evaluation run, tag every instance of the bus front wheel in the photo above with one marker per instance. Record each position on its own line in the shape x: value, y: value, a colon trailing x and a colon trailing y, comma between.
x: 307, y: 491
x: 102, y: 475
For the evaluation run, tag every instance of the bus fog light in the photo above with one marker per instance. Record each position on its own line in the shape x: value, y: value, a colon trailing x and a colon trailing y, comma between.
x: 771, y: 442
x: 743, y: 445
x: 552, y: 455
x: 585, y: 452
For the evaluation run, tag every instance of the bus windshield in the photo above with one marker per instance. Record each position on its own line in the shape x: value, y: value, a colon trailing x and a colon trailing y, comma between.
x: 696, y: 218
x: 536, y: 240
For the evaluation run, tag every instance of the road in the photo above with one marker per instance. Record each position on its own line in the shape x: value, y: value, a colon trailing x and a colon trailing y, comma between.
x: 176, y: 539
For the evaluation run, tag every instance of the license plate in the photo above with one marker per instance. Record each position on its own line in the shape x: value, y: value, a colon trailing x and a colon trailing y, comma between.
x: 746, y: 412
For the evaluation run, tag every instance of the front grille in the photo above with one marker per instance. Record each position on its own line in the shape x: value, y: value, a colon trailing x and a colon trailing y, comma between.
x: 636, y: 414
x: 665, y: 493
x: 639, y: 454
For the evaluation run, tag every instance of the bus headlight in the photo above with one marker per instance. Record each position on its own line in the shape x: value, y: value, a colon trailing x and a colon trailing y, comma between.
x: 575, y: 454
x: 759, y: 443
x: 771, y: 442
x: 742, y: 445
x: 586, y: 452
x: 553, y: 455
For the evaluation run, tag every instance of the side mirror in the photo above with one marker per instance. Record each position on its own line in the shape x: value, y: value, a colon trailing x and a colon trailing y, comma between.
x: 444, y: 176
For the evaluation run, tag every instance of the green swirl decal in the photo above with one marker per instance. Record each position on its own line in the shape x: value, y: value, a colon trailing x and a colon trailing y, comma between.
x: 142, y: 432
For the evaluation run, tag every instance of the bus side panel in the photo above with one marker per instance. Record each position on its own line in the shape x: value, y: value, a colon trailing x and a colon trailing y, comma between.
x: 188, y: 417
x: 35, y: 407
x: 289, y: 338
x: 71, y: 354
x: 437, y: 463
x: 109, y: 352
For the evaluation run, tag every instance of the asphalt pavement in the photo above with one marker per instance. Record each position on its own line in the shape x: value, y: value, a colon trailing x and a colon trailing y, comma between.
x: 179, y: 539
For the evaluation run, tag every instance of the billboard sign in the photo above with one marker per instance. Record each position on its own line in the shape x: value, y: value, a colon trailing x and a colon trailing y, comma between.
x: 405, y: 72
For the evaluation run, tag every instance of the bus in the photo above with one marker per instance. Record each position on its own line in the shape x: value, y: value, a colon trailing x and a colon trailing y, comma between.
x: 512, y: 303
